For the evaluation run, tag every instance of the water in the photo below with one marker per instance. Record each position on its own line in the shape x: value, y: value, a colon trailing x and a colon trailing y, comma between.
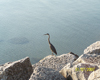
x: 72, y: 24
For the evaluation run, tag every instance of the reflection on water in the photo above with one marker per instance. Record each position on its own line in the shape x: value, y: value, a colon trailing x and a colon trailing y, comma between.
x: 18, y: 40
x: 73, y: 25
x: 1, y: 40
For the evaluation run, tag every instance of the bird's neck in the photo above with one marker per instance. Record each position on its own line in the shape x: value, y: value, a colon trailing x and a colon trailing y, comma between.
x: 49, y: 39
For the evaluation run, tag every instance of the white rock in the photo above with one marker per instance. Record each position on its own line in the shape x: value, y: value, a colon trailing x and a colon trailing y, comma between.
x: 91, y: 55
x: 95, y: 75
x: 63, y: 70
x: 49, y: 67
x: 80, y: 71
x: 56, y: 62
x: 93, y: 48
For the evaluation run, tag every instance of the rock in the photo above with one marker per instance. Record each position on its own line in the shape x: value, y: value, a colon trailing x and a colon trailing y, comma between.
x: 89, y: 60
x: 49, y: 67
x: 80, y: 71
x: 74, y: 54
x: 56, y: 63
x: 1, y: 71
x: 95, y: 75
x: 18, y: 70
x: 18, y: 40
x: 42, y: 73
x: 63, y: 70
x: 91, y: 54
x: 93, y: 48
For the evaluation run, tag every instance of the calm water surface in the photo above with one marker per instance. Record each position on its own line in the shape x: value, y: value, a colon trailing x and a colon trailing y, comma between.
x: 72, y: 24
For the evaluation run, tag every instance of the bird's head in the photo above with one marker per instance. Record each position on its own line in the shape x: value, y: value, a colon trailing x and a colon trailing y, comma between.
x: 46, y: 34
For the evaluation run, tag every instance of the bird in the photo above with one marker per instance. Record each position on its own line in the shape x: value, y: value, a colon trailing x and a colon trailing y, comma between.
x: 51, y: 46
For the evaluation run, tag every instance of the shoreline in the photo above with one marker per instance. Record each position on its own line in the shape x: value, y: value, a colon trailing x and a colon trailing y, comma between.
x: 66, y: 66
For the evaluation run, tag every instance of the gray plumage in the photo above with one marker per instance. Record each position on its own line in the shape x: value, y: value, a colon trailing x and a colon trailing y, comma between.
x: 51, y: 46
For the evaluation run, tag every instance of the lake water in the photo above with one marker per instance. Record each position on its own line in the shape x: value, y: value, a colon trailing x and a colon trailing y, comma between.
x: 72, y: 24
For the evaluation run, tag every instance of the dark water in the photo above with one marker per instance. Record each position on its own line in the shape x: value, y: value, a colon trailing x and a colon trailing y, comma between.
x: 72, y: 24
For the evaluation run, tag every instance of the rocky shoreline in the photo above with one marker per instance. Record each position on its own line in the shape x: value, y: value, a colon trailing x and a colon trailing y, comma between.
x: 64, y: 67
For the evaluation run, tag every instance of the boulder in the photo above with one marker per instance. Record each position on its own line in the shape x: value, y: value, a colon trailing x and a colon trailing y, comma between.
x: 91, y: 54
x: 65, y: 70
x: 49, y: 67
x: 93, y: 48
x: 80, y: 71
x: 90, y: 60
x: 42, y: 73
x: 56, y: 62
x: 95, y: 75
x: 18, y: 70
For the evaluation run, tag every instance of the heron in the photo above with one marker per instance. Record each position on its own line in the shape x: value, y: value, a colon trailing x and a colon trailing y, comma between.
x: 51, y: 46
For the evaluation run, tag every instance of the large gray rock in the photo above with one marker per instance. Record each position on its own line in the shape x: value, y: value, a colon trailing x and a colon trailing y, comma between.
x: 95, y: 75
x: 80, y: 71
x: 93, y: 48
x: 91, y: 54
x: 66, y: 70
x: 18, y: 70
x: 56, y: 62
x: 49, y: 67
x: 89, y: 60
x: 42, y: 73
